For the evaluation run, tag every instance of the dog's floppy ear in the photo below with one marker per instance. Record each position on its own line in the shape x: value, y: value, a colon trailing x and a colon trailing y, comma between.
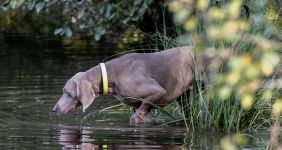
x: 84, y: 93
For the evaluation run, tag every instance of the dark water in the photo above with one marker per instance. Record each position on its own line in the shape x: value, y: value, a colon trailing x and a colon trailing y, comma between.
x: 32, y: 76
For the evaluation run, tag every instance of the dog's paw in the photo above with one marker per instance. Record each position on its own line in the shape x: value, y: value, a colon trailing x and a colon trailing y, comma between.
x: 137, y: 118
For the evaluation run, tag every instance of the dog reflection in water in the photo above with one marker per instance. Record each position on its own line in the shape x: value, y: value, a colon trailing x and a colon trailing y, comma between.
x: 83, y: 139
x: 75, y: 138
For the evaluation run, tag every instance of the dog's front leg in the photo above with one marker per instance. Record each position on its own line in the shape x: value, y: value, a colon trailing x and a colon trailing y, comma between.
x: 155, y: 92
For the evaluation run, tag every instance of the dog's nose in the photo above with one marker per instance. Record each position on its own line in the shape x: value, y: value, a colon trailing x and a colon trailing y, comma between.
x: 55, y: 109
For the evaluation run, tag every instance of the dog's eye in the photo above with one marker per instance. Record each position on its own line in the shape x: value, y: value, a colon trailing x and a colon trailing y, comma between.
x: 69, y: 94
x: 66, y: 92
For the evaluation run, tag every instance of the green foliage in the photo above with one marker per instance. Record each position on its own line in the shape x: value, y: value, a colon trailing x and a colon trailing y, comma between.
x: 245, y: 87
x: 91, y: 17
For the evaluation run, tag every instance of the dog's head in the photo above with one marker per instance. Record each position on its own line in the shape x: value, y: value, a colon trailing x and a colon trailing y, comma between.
x: 76, y: 92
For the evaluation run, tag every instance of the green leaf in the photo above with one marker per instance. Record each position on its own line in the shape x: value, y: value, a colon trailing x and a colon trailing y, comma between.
x: 80, y: 2
x: 39, y: 6
x: 271, y: 57
x: 97, y: 37
x: 50, y: 3
x: 181, y: 16
x: 112, y: 16
x: 73, y: 19
x: 132, y: 11
x: 6, y: 5
x: 13, y: 4
x: 82, y: 26
x: 135, y: 18
x: 101, y: 10
x: 100, y: 30
x: 143, y: 9
x: 68, y: 32
x: 31, y: 4
x: 60, y: 31
x: 126, y: 20
x: 81, y: 13
x: 137, y: 2
x: 108, y: 10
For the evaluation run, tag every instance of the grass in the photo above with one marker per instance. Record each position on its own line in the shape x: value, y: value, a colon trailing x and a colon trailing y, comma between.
x: 225, y: 115
x: 204, y: 109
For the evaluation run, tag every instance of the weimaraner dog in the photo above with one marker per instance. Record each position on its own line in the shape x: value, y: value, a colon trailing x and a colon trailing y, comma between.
x: 157, y: 78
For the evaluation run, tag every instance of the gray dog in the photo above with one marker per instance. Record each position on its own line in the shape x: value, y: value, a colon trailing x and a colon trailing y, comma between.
x: 157, y: 78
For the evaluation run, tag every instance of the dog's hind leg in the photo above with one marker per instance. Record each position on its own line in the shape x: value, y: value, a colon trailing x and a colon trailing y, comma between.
x: 151, y: 93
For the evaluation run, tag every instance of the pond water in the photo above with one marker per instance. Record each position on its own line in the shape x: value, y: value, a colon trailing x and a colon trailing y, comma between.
x: 32, y: 76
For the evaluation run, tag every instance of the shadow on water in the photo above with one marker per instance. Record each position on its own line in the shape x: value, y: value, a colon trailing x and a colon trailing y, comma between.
x: 31, y: 79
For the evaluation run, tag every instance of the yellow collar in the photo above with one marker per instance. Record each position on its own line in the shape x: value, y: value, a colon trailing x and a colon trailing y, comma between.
x: 104, y: 78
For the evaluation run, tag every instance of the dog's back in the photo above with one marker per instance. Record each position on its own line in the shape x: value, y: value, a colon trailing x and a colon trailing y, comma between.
x: 172, y: 69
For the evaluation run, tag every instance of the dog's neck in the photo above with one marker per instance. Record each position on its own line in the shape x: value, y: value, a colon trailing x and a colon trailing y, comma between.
x: 94, y: 75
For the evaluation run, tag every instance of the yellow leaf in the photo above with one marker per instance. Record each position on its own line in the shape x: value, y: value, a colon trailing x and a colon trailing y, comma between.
x: 215, y: 32
x: 225, y: 92
x: 246, y: 59
x: 235, y: 63
x: 233, y: 77
x: 191, y: 23
x: 234, y: 8
x: 230, y: 29
x: 243, y: 25
x: 175, y: 6
x: 265, y: 45
x: 252, y: 86
x: 267, y: 95
x: 182, y: 15
x: 247, y: 101
x: 202, y: 4
x: 240, y: 139
x: 252, y: 72
x: 277, y: 107
x: 272, y: 14
x: 216, y: 14
x: 271, y: 57
x: 104, y: 146
x: 226, y: 144
x: 242, y: 90
x: 266, y: 67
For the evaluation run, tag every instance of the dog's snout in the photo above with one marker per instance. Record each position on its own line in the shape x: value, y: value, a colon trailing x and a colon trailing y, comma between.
x: 55, y: 109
